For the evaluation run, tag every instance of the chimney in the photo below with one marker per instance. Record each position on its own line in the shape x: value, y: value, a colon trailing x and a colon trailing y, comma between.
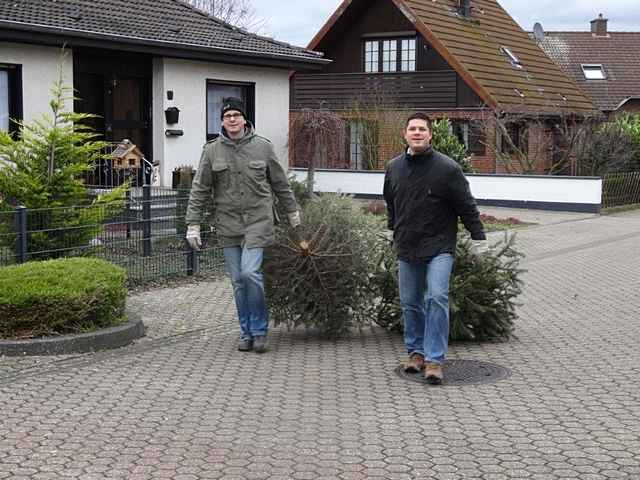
x: 599, y: 26
x: 464, y: 8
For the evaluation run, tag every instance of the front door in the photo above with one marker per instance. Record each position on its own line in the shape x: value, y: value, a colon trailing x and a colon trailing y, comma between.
x: 118, y: 90
x: 127, y: 110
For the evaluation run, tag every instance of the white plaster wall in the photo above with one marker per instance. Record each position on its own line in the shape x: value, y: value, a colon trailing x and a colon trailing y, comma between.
x: 520, y: 188
x: 39, y: 72
x: 157, y: 107
x: 188, y: 80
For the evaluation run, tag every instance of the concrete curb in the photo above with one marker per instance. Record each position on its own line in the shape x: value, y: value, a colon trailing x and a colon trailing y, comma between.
x: 106, y: 338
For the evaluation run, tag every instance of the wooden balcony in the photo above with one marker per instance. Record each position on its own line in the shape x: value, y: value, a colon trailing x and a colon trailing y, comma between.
x: 342, y: 91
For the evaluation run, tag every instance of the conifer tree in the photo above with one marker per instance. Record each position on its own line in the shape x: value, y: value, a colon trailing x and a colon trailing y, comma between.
x: 42, y: 168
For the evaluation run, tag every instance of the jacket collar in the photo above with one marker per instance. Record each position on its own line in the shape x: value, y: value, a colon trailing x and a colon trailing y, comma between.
x: 410, y: 157
x: 249, y: 133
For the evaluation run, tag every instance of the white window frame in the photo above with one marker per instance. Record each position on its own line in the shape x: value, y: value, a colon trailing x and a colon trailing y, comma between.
x: 5, y: 100
x: 11, y: 97
x: 593, y: 68
x: 371, y: 56
x: 390, y: 55
x: 515, y: 61
x: 357, y: 143
x: 408, y: 55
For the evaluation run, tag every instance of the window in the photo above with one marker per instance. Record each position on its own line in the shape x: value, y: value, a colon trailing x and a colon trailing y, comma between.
x: 371, y: 57
x: 217, y: 92
x: 362, y: 144
x: 408, y: 58
x: 471, y: 135
x: 593, y: 72
x: 390, y: 55
x: 10, y: 97
x: 517, y: 134
x: 515, y: 61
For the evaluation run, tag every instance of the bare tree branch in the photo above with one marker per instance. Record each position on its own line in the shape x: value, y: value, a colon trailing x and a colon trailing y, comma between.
x: 240, y: 13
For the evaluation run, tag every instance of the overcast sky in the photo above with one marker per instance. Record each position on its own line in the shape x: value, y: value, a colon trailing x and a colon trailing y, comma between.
x: 298, y: 22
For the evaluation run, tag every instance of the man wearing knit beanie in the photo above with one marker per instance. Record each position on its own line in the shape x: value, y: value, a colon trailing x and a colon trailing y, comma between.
x: 240, y: 174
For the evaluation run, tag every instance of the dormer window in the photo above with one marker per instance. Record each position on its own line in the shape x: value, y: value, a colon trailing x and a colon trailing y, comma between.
x: 593, y: 71
x: 515, y: 61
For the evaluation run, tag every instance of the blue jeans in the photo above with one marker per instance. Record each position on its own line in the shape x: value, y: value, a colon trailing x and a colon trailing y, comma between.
x: 424, y: 295
x: 243, y: 266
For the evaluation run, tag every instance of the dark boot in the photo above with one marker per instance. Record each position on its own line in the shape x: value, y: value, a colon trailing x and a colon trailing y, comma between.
x: 260, y: 344
x: 245, y: 344
x: 415, y: 363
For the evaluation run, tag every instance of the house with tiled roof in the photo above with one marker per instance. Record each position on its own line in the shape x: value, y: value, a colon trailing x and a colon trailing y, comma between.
x: 466, y: 60
x: 605, y: 64
x: 129, y: 62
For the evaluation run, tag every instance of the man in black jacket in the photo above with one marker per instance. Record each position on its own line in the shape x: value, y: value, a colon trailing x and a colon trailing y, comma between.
x: 426, y: 192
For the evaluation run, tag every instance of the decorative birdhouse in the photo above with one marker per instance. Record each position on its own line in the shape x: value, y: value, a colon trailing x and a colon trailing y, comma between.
x: 127, y: 156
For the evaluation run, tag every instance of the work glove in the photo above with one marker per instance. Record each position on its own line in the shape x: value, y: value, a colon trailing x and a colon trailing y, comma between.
x: 294, y: 219
x: 193, y: 237
x: 479, y: 248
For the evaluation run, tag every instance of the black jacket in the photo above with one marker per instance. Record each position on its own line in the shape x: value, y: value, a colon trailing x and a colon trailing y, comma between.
x: 425, y: 195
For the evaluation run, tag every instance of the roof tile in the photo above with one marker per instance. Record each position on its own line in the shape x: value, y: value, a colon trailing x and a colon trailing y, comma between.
x: 475, y: 43
x: 155, y: 21
x: 617, y: 53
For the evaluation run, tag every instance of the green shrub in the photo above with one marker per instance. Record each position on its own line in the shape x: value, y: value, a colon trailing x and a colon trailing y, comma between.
x: 327, y: 287
x: 445, y: 141
x: 631, y: 125
x: 348, y: 277
x: 483, y: 292
x: 42, y: 169
x: 58, y: 297
x: 300, y: 190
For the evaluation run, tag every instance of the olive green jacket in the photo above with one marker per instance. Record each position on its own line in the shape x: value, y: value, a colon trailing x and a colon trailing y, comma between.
x: 239, y: 179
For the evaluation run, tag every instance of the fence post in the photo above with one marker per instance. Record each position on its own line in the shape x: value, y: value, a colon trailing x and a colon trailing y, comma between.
x: 192, y: 262
x: 146, y: 220
x: 127, y: 195
x: 21, y: 229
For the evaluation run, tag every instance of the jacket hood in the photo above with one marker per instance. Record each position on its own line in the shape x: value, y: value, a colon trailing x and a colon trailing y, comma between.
x: 249, y: 132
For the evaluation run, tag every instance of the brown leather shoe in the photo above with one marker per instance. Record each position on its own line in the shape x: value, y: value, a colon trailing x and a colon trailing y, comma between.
x: 433, y: 373
x: 415, y: 363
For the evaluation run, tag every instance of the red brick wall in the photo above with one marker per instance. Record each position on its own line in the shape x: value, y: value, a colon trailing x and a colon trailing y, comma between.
x: 391, y: 126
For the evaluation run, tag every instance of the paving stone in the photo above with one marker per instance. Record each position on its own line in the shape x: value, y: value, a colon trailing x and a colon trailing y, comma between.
x: 183, y: 403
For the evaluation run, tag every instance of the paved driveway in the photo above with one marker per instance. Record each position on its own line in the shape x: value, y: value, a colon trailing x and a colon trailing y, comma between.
x: 183, y: 404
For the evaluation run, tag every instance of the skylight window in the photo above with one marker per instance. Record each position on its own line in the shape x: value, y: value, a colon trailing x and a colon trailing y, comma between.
x: 593, y: 72
x: 515, y: 61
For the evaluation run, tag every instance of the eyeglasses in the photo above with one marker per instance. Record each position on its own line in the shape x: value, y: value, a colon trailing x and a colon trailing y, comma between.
x: 232, y: 116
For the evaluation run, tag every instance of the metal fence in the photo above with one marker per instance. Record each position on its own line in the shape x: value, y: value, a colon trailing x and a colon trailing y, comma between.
x: 109, y: 173
x: 144, y: 234
x: 621, y: 189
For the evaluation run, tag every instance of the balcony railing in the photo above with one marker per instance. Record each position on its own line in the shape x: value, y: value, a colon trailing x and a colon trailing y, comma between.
x: 345, y: 91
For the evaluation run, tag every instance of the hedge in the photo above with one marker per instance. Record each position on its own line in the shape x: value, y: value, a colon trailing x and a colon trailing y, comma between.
x: 62, y: 296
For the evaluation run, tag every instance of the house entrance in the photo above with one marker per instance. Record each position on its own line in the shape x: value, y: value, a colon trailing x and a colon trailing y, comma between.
x: 117, y: 88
